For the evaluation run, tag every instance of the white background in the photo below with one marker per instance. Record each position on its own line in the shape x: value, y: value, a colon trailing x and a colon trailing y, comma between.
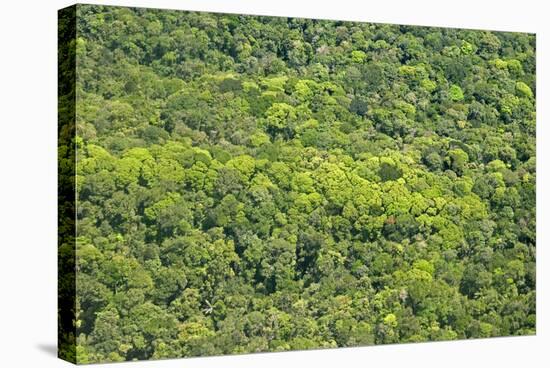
x: 28, y: 67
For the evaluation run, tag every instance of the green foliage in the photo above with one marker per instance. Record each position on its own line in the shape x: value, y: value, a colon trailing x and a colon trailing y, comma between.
x: 455, y: 93
x: 280, y: 119
x: 251, y: 184
x: 523, y: 90
x: 358, y: 56
x: 428, y: 85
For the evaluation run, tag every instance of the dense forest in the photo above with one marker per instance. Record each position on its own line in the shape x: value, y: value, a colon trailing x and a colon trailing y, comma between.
x: 250, y: 183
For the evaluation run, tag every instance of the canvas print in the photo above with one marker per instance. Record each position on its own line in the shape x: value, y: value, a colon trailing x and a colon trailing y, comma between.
x: 236, y: 184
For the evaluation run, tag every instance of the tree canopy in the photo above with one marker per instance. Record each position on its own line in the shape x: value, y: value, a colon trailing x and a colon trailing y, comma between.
x: 250, y: 183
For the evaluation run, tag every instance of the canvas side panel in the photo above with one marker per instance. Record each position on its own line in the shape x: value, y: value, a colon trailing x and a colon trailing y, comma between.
x: 66, y: 183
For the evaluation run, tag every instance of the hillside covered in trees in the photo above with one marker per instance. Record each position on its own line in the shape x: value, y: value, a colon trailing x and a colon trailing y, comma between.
x: 250, y: 184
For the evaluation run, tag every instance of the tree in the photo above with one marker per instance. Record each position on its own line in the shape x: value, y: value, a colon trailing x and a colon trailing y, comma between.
x: 455, y: 93
x: 457, y: 160
x: 281, y: 120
